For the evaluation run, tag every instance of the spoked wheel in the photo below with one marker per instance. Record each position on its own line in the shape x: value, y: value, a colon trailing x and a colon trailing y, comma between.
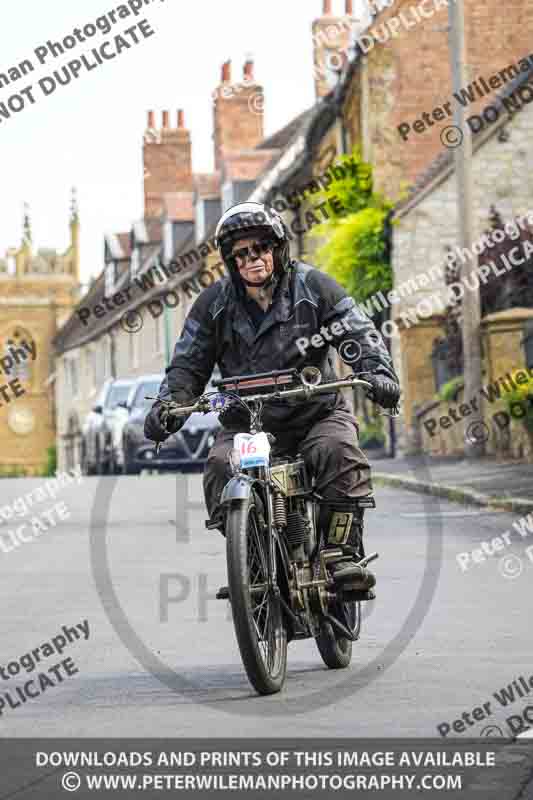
x: 336, y: 649
x: 257, y: 616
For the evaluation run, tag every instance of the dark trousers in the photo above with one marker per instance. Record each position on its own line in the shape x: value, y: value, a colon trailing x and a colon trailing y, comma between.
x: 330, y: 450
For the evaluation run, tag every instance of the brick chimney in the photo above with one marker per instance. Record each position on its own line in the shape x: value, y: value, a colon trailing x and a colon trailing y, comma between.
x: 167, y: 161
x: 238, y: 113
x: 332, y: 37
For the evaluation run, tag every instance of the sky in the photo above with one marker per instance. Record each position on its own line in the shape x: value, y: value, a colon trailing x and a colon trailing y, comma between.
x: 89, y: 133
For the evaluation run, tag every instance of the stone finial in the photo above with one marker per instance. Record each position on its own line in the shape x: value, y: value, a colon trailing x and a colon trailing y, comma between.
x: 26, y: 236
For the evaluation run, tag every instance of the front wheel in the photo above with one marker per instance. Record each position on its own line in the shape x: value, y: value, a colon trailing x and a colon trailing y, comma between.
x: 257, y: 616
x: 336, y: 649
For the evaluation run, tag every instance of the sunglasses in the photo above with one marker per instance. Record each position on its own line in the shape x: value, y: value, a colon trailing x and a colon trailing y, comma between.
x: 253, y: 251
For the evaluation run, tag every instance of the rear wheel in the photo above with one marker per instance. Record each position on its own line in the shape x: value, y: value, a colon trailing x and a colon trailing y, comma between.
x: 336, y: 649
x: 257, y: 615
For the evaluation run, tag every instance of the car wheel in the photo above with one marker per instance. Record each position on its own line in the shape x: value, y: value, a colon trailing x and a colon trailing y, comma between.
x: 128, y: 467
x: 86, y: 467
x: 100, y: 465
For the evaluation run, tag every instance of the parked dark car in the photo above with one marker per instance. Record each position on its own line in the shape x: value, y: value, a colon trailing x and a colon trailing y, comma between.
x: 97, y: 446
x: 183, y: 451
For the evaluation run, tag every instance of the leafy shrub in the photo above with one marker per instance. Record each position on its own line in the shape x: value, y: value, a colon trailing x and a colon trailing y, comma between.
x: 371, y: 435
x: 355, y: 252
x: 449, y: 390
x: 51, y: 462
x: 522, y: 396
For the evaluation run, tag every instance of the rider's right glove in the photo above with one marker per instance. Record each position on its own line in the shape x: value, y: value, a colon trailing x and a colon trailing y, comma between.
x: 158, y: 426
x: 384, y: 391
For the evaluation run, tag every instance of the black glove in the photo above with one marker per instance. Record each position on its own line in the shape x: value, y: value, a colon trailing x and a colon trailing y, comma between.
x: 384, y: 391
x: 158, y: 425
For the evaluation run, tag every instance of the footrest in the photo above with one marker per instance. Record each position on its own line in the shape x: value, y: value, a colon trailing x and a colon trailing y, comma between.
x: 223, y: 593
x: 358, y: 596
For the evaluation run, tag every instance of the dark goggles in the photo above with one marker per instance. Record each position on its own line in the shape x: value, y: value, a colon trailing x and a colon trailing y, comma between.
x: 252, y: 251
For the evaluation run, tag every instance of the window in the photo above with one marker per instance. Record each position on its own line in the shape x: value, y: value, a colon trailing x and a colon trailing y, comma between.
x: 71, y: 375
x: 151, y: 389
x: 159, y: 324
x: 134, y: 350
x: 135, y: 262
x: 227, y: 196
x: 528, y: 343
x: 17, y: 346
x: 92, y: 368
x: 110, y: 278
x: 200, y: 221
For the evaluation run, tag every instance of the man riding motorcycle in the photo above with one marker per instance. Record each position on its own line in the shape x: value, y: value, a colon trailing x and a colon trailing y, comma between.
x: 274, y: 313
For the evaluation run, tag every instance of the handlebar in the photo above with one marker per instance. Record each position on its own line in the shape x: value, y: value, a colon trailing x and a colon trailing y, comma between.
x: 302, y: 391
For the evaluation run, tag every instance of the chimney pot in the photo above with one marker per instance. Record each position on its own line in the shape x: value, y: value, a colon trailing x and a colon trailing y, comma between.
x: 349, y: 8
x: 181, y: 118
x: 151, y: 120
x: 249, y: 69
x: 226, y: 72
x: 327, y: 12
x: 166, y: 118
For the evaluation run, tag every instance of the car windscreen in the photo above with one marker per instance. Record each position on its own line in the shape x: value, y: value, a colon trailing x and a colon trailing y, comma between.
x: 151, y: 389
x: 118, y: 394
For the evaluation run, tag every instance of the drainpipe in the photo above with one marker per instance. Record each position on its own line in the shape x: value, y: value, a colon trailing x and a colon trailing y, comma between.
x: 388, y: 239
x: 168, y: 334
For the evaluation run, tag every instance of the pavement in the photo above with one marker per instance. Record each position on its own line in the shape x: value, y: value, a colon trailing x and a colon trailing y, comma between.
x: 491, y: 482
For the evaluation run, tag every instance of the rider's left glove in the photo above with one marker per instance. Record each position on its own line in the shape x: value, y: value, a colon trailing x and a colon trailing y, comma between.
x: 158, y: 426
x: 384, y: 391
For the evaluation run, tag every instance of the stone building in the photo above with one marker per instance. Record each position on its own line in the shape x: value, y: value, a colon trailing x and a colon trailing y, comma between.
x: 427, y: 228
x: 38, y: 290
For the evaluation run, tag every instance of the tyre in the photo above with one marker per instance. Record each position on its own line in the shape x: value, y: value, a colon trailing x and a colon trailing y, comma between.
x: 257, y: 616
x: 128, y: 467
x: 86, y: 467
x: 336, y: 649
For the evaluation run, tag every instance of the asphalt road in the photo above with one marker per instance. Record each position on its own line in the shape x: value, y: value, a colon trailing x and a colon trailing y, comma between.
x: 437, y: 642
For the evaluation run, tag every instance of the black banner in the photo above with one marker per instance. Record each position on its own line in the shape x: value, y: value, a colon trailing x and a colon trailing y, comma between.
x: 394, y: 768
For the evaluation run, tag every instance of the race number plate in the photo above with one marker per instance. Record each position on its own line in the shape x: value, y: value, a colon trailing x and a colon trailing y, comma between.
x: 254, y: 449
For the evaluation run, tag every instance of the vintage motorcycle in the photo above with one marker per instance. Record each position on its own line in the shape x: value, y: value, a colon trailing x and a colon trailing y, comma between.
x: 279, y: 585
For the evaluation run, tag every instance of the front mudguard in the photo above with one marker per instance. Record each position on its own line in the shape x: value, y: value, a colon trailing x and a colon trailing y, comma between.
x: 238, y: 488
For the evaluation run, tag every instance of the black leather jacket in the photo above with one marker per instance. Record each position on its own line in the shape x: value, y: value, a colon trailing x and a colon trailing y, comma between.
x: 219, y: 331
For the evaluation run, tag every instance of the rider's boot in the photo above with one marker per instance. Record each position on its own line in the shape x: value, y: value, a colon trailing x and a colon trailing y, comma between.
x: 341, y: 521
